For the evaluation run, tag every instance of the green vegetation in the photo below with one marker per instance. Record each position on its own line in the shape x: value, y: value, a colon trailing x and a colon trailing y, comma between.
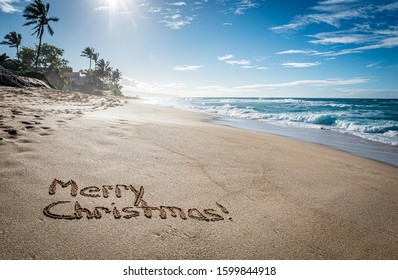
x: 45, y: 59
x: 108, y: 77
x: 13, y: 40
x: 36, y: 13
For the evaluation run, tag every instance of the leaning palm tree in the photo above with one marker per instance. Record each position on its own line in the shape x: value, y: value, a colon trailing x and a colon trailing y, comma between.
x: 37, y: 13
x: 89, y: 53
x: 13, y: 40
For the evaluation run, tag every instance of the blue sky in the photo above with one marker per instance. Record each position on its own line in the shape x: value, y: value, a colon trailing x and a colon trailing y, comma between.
x: 270, y: 48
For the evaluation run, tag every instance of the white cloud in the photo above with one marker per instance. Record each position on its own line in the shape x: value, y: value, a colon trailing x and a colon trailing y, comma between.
x: 229, y: 59
x: 133, y: 85
x: 306, y: 52
x: 227, y: 24
x: 242, y: 63
x: 331, y: 12
x: 372, y: 40
x: 136, y: 87
x: 226, y: 57
x: 386, y: 43
x: 333, y: 2
x: 389, y: 7
x: 188, y: 68
x: 254, y: 67
x: 153, y: 10
x: 331, y: 18
x: 317, y: 83
x: 361, y: 34
x: 294, y: 52
x: 176, y: 22
x: 301, y: 64
x: 175, y: 16
x: 238, y: 62
x: 239, y: 7
x: 353, y: 39
x: 178, y: 4
x: 10, y: 6
x: 373, y: 65
x: 244, y: 5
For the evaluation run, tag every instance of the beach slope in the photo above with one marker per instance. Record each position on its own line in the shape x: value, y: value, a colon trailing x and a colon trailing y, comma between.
x: 84, y: 178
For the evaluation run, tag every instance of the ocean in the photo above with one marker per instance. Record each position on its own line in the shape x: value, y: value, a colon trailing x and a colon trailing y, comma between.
x: 361, y: 126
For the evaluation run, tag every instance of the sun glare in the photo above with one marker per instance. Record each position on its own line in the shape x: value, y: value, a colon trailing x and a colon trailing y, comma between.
x: 112, y: 4
x: 116, y: 10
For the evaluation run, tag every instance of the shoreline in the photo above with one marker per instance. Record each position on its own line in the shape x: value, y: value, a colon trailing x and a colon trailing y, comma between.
x: 346, y: 142
x: 278, y: 198
x: 383, y: 153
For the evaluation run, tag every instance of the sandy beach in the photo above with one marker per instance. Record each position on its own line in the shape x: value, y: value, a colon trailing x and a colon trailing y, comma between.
x: 91, y: 177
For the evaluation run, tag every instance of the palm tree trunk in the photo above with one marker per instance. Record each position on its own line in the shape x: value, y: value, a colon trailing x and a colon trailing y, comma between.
x: 39, y: 47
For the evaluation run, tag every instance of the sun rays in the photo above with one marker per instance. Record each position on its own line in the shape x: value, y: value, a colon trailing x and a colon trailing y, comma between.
x: 117, y: 8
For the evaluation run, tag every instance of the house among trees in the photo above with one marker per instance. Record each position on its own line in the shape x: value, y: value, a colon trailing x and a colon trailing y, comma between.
x: 84, y: 83
x: 45, y: 62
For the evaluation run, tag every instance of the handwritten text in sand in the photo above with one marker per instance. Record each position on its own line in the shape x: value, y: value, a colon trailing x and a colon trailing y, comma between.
x: 73, y: 210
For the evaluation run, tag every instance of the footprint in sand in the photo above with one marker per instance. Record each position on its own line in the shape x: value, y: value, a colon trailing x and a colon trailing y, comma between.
x: 12, y: 132
x: 25, y: 141
x: 16, y: 112
x: 5, y: 126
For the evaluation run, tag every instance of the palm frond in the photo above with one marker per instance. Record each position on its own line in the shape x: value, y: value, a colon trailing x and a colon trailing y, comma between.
x: 50, y: 30
x: 53, y: 19
x: 30, y: 22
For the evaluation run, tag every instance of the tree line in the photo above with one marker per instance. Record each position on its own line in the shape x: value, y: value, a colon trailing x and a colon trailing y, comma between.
x: 48, y: 59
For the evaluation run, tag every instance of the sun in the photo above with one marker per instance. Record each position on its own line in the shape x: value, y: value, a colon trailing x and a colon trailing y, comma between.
x: 112, y: 4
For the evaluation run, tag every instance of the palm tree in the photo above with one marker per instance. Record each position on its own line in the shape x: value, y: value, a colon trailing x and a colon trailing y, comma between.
x: 102, y: 68
x: 36, y: 13
x: 102, y: 71
x: 116, y: 75
x: 4, y: 58
x: 13, y: 40
x: 95, y: 58
x: 89, y: 53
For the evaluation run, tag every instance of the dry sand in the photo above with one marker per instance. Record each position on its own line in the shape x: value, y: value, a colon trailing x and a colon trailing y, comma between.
x: 271, y: 197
